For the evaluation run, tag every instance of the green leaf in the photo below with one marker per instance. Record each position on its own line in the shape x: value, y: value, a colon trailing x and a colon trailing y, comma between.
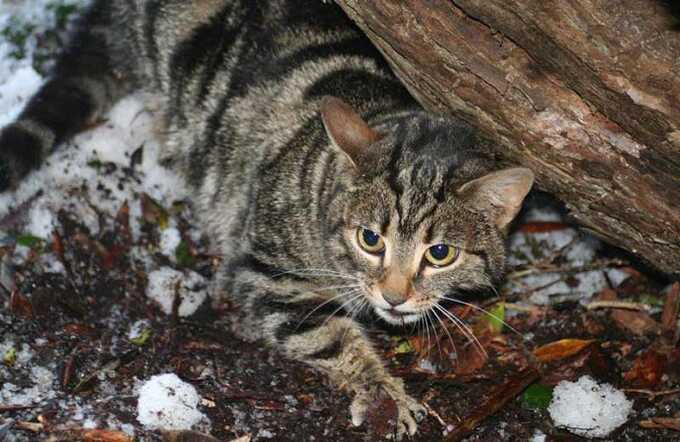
x: 30, y: 241
x: 142, y: 338
x: 654, y: 301
x: 404, y: 346
x: 10, y: 356
x: 496, y: 317
x: 183, y: 255
x: 537, y: 397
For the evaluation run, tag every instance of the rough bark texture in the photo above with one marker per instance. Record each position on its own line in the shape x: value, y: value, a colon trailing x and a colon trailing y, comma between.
x: 584, y: 92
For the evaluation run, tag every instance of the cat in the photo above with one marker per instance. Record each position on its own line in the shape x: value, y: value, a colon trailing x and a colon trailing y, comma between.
x: 329, y: 192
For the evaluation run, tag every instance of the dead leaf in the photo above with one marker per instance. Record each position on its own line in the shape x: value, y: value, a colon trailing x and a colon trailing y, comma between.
x: 105, y: 436
x: 123, y: 224
x: 20, y: 305
x: 470, y: 360
x: 561, y: 349
x: 637, y: 322
x: 542, y: 227
x: 57, y: 245
x: 647, y: 370
x: 153, y: 212
x: 669, y: 317
x: 79, y: 330
x: 187, y: 436
x: 382, y: 415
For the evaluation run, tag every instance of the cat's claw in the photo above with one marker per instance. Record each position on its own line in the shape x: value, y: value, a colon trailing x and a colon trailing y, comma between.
x: 409, y: 410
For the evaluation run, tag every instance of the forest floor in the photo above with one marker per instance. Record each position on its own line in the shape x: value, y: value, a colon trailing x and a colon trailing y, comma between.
x: 104, y: 278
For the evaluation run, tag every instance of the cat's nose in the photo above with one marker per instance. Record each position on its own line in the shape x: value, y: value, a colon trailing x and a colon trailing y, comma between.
x: 394, y: 298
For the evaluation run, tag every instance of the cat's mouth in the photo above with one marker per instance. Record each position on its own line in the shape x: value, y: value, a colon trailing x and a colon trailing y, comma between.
x: 396, y: 317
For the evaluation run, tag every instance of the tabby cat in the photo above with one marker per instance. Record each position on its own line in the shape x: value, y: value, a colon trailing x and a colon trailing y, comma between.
x: 330, y: 194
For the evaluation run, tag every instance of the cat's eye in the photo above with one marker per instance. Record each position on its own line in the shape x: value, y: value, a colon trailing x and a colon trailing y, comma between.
x: 441, y: 255
x: 370, y: 241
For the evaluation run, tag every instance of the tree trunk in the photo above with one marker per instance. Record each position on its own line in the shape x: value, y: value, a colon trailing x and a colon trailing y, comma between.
x: 584, y: 92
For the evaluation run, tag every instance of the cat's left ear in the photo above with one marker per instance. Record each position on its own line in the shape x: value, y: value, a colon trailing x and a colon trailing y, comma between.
x: 501, y: 193
x: 346, y: 129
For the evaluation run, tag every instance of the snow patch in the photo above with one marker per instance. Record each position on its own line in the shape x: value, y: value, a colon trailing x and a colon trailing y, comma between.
x: 165, y: 283
x: 170, y: 239
x: 587, y: 408
x: 168, y: 403
x: 42, y: 379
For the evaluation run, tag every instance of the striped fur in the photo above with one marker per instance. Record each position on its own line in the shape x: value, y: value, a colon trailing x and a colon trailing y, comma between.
x: 242, y: 83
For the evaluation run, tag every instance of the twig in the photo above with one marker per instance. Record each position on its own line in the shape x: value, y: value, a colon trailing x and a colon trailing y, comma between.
x: 652, y: 394
x: 35, y: 427
x: 551, y: 268
x: 501, y: 395
x: 434, y: 414
x: 618, y: 304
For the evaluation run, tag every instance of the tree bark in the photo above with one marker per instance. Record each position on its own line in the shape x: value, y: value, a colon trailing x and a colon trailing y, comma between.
x: 584, y: 92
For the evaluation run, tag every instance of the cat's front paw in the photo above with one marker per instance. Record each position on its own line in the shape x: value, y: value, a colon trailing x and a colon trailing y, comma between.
x: 409, y: 410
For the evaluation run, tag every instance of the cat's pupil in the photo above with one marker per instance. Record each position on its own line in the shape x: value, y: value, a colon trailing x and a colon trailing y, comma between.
x: 440, y: 251
x: 370, y: 238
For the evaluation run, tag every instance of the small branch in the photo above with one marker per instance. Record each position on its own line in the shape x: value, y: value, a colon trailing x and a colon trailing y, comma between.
x: 434, y: 414
x: 500, y: 396
x: 652, y: 394
x: 618, y: 304
x: 552, y: 268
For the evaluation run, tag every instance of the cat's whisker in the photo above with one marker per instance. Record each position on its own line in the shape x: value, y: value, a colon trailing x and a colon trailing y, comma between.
x: 427, y: 331
x: 326, y: 302
x: 311, y: 271
x: 434, y: 331
x: 460, y: 325
x: 337, y: 287
x: 349, y: 301
x: 351, y: 314
x: 482, y: 310
x: 464, y: 328
x: 453, y: 344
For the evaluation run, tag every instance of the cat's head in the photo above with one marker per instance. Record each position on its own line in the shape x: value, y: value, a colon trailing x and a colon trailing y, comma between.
x: 423, y: 218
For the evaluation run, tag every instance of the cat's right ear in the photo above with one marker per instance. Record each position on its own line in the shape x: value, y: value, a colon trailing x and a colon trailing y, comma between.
x: 347, y: 130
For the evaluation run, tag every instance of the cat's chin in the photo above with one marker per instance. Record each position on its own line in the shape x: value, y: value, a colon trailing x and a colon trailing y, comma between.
x: 396, y: 319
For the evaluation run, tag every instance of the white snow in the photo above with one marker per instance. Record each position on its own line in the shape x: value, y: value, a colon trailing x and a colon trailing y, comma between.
x: 137, y: 328
x: 165, y: 283
x: 170, y: 239
x: 75, y: 167
x: 168, y: 403
x: 42, y: 379
x: 15, y: 91
x: 538, y: 436
x: 574, y: 247
x: 51, y: 264
x: 587, y: 408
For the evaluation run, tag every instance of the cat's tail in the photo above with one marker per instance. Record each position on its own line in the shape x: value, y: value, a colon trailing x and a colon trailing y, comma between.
x: 83, y: 85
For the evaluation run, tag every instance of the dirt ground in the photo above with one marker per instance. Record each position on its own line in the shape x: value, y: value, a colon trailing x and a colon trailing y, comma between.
x: 77, y: 323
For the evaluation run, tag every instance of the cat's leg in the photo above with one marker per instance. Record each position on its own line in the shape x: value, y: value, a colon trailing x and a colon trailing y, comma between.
x: 306, y: 328
x: 341, y: 350
x: 85, y: 82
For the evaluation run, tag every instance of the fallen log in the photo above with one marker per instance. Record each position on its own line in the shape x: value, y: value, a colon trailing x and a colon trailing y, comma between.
x: 584, y: 92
